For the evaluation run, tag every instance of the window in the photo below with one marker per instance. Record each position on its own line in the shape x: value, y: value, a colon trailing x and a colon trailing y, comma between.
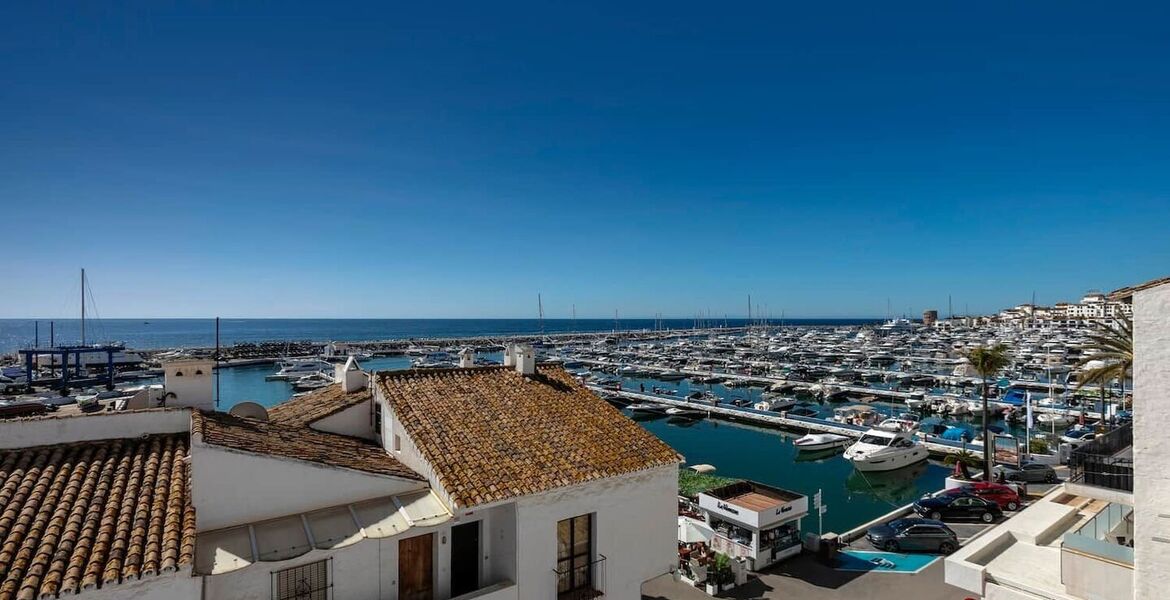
x: 575, y: 554
x: 306, y: 582
x: 198, y: 371
x: 178, y: 373
x: 397, y: 443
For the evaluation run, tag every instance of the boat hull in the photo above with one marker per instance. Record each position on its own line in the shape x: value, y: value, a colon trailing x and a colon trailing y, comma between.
x: 888, y: 462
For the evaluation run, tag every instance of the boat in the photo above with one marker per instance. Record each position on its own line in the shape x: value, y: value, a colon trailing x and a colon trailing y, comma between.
x: 775, y: 404
x: 647, y: 408
x: 676, y: 411
x: 313, y: 382
x: 1056, y: 419
x: 881, y: 449
x: 814, y: 442
x: 297, y: 368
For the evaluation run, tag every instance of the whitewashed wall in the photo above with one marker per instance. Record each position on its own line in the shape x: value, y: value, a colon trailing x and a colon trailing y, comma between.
x: 353, y: 421
x: 635, y: 527
x: 369, y: 569
x: 39, y: 431
x: 1151, y: 447
x: 233, y: 488
x: 180, y: 585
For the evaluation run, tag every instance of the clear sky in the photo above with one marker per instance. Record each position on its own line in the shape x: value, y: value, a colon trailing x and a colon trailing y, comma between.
x: 426, y: 159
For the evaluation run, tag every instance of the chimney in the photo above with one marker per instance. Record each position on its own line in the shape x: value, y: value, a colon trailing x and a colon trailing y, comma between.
x: 525, y: 360
x: 466, y: 358
x: 350, y: 375
x: 189, y: 382
x: 510, y: 355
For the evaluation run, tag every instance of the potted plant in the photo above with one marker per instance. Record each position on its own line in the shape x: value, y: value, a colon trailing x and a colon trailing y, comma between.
x: 720, y: 576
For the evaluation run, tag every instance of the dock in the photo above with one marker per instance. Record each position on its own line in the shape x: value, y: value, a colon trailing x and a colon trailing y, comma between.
x: 937, y: 446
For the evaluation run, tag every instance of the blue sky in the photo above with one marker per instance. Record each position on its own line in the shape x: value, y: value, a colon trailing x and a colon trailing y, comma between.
x: 455, y: 159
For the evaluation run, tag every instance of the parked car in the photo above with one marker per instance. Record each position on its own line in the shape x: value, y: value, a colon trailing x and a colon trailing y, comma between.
x: 958, y: 506
x: 1005, y: 496
x: 1078, y: 436
x: 913, y: 534
x: 1030, y: 472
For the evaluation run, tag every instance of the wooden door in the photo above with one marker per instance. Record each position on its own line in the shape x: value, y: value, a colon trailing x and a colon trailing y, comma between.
x: 415, y: 562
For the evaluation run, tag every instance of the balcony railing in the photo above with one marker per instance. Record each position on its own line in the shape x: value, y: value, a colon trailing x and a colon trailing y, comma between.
x: 593, y: 575
x: 1101, y: 462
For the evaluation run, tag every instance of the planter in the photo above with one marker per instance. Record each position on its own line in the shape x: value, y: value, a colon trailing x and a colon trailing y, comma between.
x: 712, y: 589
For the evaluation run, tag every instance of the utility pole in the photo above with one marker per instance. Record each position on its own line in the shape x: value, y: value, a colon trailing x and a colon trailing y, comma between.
x: 83, y: 307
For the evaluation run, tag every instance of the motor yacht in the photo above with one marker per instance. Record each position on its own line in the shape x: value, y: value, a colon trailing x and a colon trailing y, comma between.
x: 297, y: 368
x: 881, y: 449
x: 814, y: 442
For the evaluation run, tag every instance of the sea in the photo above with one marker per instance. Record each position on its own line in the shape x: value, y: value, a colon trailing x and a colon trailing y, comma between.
x: 736, y: 449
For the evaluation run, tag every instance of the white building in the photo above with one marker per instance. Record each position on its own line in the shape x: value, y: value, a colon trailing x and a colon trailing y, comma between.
x: 494, y: 483
x: 1104, y: 534
x: 753, y: 521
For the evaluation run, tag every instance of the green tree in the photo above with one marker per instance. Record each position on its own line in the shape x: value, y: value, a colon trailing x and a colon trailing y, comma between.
x: 1108, y: 356
x: 987, y: 362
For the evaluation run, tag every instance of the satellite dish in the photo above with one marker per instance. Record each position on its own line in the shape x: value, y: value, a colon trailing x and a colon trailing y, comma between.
x: 249, y: 410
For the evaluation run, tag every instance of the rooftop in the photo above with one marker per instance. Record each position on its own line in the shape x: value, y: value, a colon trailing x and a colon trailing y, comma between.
x: 752, y: 495
x: 314, y: 406
x: 491, y: 433
x: 93, y: 514
x: 298, y: 443
x: 1126, y: 293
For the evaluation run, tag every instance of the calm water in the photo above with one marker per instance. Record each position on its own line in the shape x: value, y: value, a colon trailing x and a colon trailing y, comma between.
x: 768, y: 456
x: 187, y: 333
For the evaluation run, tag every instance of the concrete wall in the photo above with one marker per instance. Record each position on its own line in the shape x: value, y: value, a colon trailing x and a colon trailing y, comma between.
x: 39, y: 431
x: 1151, y: 445
x: 354, y: 421
x: 635, y: 528
x: 233, y: 488
x: 1095, y: 579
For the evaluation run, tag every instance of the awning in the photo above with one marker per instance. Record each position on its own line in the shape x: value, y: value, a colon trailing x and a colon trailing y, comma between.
x: 230, y: 549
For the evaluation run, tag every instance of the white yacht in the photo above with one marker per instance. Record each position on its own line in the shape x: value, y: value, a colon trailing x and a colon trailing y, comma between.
x: 821, y: 441
x: 883, y: 449
x: 297, y: 368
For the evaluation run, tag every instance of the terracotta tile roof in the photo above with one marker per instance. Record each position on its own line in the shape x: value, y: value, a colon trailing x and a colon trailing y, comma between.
x: 1126, y: 293
x: 492, y: 434
x: 299, y: 443
x: 317, y: 405
x: 92, y: 514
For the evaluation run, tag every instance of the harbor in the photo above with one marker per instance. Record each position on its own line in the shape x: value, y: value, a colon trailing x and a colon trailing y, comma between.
x: 734, y: 397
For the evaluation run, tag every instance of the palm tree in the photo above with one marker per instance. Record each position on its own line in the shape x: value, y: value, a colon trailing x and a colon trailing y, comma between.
x: 1109, y: 356
x: 987, y: 361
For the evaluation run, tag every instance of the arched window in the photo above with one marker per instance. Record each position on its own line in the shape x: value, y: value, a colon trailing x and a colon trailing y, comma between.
x: 198, y: 371
x: 178, y: 373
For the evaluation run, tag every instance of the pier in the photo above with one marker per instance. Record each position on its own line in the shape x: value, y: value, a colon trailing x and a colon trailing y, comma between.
x: 938, y: 447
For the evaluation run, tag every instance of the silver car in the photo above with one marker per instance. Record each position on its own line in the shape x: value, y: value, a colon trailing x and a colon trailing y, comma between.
x: 1028, y: 472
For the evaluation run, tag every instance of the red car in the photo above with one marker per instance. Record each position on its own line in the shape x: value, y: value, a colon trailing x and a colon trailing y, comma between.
x: 1004, y: 495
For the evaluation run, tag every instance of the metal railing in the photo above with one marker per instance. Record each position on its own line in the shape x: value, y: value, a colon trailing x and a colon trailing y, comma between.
x: 584, y: 582
x: 1097, y: 463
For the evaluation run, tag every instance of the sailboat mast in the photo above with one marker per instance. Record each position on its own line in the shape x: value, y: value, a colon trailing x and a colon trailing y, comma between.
x: 83, y: 307
x: 540, y: 309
